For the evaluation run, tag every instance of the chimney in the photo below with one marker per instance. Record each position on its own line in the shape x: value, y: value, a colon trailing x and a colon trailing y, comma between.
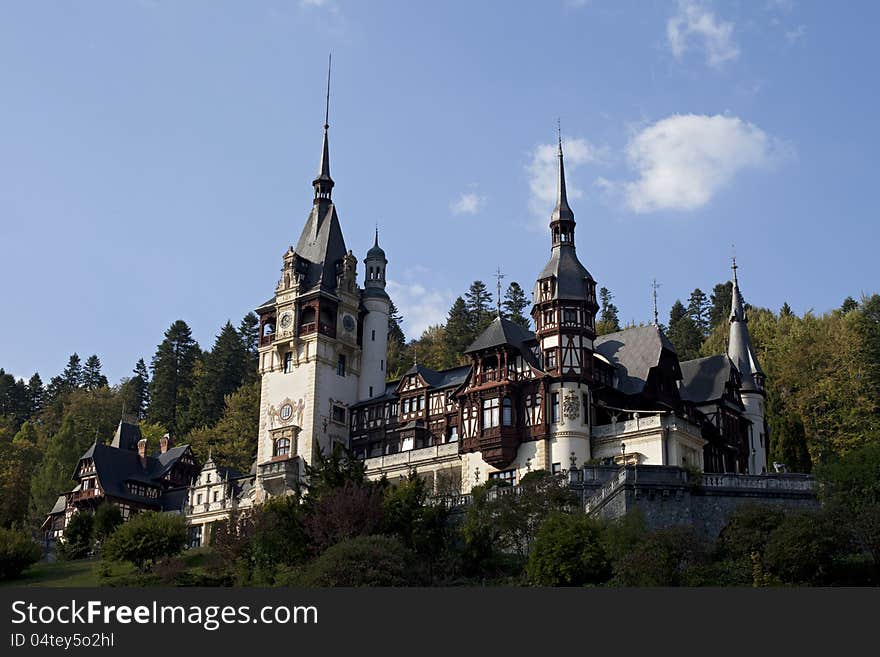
x: 165, y: 443
x: 142, y: 451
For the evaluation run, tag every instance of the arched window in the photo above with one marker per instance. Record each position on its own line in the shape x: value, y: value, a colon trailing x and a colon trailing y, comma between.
x: 282, y: 447
x: 507, y: 412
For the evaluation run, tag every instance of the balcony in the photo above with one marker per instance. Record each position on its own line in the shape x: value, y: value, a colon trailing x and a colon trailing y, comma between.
x: 86, y: 495
x: 279, y: 476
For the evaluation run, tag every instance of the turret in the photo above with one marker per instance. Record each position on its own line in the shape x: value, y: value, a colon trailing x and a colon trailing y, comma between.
x: 742, y: 354
x: 564, y: 312
x: 375, y: 335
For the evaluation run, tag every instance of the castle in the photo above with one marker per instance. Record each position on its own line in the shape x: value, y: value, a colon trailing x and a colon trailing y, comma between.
x: 557, y: 399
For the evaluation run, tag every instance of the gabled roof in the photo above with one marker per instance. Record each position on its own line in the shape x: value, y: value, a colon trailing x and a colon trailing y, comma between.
x: 114, y: 467
x: 705, y: 380
x: 501, y: 332
x: 442, y: 379
x: 633, y: 351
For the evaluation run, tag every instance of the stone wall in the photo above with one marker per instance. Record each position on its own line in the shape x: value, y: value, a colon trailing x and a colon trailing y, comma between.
x: 670, y: 496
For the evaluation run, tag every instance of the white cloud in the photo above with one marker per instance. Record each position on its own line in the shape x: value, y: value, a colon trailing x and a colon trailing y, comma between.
x: 684, y: 160
x: 468, y: 203
x: 420, y: 306
x: 694, y: 25
x: 542, y: 172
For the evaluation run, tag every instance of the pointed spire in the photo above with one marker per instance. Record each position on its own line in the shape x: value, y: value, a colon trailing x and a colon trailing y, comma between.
x: 376, y: 242
x: 737, y: 306
x: 739, y: 345
x: 323, y: 184
x: 562, y: 219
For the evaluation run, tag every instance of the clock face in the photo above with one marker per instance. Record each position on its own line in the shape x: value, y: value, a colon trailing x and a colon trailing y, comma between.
x: 286, y: 412
x: 286, y: 320
x: 348, y: 323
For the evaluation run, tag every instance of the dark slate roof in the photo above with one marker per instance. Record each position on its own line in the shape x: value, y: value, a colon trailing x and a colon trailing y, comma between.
x: 705, y: 379
x: 376, y: 252
x: 442, y: 379
x: 501, y: 332
x: 570, y: 274
x: 634, y: 351
x: 322, y: 245
x: 127, y: 436
x: 116, y: 466
x: 174, y: 499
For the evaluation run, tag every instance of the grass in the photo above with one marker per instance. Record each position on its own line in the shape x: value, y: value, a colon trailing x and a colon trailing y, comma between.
x: 94, y: 572
x: 59, y: 573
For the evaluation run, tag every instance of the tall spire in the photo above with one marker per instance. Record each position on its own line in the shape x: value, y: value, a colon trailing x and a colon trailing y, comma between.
x: 323, y: 184
x: 739, y: 345
x: 562, y: 219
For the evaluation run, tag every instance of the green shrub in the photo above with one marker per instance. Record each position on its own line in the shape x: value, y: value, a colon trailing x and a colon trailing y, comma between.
x: 146, y: 538
x: 363, y: 561
x: 17, y: 552
x: 667, y: 557
x: 107, y: 518
x: 77, y: 542
x: 568, y: 551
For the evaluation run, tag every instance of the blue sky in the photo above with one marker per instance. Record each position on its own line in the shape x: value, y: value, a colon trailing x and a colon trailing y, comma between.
x: 156, y: 157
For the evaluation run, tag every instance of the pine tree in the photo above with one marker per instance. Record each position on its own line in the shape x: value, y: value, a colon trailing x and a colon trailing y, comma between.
x: 608, y: 314
x: 721, y: 298
x: 224, y: 371
x: 699, y: 310
x: 36, y: 394
x: 478, y: 301
x: 14, y: 401
x: 397, y: 356
x: 514, y: 305
x: 173, y: 368
x: 136, y: 391
x: 683, y: 333
x: 458, y: 330
x: 72, y: 376
x: 848, y: 304
x: 92, y: 378
x: 249, y: 330
x: 785, y: 311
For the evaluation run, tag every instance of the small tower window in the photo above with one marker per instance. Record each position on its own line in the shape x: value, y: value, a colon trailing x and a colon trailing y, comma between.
x: 340, y: 365
x: 374, y: 335
x: 288, y: 362
x: 554, y: 407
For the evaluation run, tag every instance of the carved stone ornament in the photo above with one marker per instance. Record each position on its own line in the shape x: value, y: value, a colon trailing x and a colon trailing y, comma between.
x: 571, y: 405
x: 290, y: 412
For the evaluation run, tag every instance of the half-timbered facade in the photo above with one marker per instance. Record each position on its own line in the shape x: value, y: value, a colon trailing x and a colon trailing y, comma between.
x: 124, y: 474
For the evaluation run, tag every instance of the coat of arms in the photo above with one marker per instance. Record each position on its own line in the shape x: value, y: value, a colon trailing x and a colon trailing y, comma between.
x: 571, y: 405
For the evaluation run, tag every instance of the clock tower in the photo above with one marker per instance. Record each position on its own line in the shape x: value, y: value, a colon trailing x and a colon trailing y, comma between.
x: 311, y: 346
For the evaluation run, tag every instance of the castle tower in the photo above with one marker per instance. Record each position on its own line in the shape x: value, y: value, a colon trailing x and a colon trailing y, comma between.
x: 740, y: 351
x: 375, y: 333
x: 564, y: 312
x: 310, y: 337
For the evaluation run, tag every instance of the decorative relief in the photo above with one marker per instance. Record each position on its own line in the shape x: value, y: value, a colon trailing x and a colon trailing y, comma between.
x: 289, y: 412
x: 571, y: 405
